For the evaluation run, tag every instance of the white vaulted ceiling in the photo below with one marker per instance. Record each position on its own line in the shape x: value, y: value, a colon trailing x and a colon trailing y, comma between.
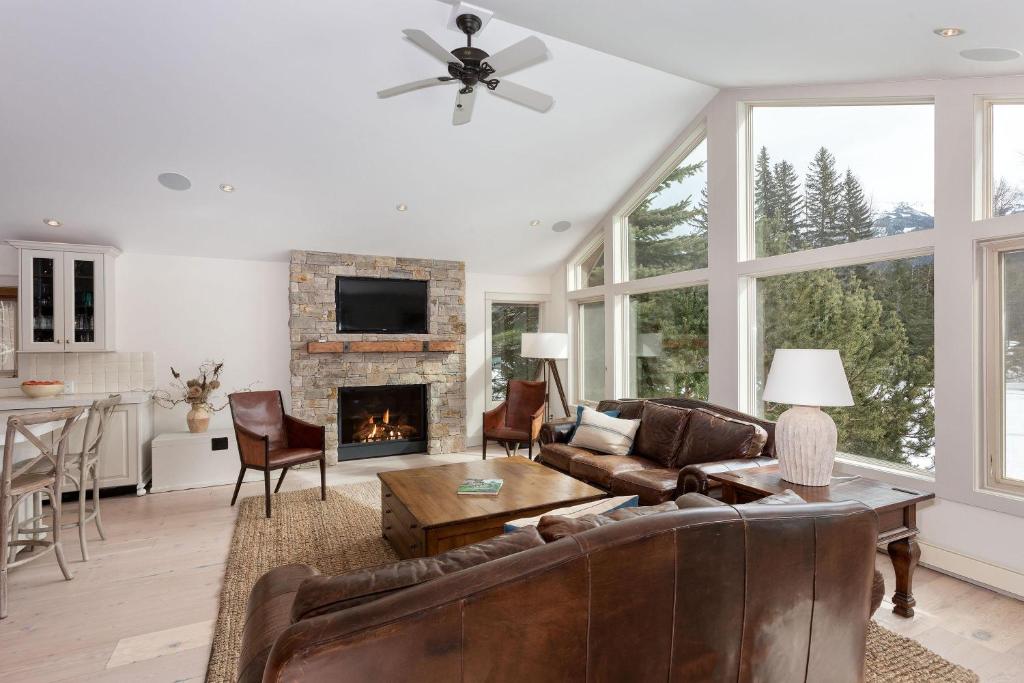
x: 97, y: 98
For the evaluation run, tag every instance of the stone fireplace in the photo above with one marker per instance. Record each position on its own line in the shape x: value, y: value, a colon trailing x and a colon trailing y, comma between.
x: 370, y: 420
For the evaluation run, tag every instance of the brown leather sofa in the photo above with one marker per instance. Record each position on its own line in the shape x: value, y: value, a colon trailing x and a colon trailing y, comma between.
x: 679, y: 443
x: 704, y: 593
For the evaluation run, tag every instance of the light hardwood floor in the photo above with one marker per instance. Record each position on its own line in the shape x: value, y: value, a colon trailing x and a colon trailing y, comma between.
x: 143, y: 608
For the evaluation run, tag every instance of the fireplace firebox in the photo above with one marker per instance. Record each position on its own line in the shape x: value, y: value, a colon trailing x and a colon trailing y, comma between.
x: 375, y: 421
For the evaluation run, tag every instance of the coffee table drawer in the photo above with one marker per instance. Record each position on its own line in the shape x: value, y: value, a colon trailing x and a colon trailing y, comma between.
x: 399, y: 526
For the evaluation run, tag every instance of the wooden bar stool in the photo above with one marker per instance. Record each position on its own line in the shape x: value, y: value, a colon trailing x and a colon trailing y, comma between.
x: 42, y: 473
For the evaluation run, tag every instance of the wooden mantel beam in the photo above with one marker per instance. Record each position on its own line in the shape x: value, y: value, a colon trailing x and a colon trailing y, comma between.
x: 414, y: 346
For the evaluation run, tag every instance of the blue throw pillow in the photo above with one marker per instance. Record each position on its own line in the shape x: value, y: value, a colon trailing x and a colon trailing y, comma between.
x: 579, y: 416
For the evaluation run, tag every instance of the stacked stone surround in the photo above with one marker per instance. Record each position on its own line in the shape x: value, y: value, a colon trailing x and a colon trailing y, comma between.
x: 315, y: 377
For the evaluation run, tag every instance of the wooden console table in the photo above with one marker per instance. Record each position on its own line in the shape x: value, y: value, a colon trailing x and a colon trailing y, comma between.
x: 896, y: 508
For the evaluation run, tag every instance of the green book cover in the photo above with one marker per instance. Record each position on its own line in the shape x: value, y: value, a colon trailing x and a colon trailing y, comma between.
x: 483, y: 487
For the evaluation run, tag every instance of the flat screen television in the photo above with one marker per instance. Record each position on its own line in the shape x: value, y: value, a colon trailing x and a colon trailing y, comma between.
x: 369, y: 304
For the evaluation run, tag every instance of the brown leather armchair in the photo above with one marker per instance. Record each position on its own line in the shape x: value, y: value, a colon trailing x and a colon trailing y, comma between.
x: 518, y: 420
x: 270, y: 440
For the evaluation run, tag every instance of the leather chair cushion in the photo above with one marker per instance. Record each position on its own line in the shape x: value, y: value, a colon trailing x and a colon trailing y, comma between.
x: 507, y: 434
x: 555, y: 527
x: 654, y: 485
x: 661, y: 430
x: 710, y: 437
x: 559, y: 455
x: 267, y: 615
x: 284, y: 457
x: 325, y: 594
x: 523, y: 400
x: 261, y: 413
x: 600, y: 469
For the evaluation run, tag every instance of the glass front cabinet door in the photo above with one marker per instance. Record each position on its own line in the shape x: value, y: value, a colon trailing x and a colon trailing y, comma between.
x: 64, y: 299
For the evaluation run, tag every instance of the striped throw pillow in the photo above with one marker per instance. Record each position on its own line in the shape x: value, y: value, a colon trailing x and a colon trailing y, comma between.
x: 604, y: 434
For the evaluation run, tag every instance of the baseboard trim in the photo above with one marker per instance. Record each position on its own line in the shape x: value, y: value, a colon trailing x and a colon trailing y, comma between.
x: 973, y: 570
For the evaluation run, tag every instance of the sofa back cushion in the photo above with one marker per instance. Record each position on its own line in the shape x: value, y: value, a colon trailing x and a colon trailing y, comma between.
x: 660, y: 433
x: 710, y: 437
x: 324, y: 594
x: 604, y: 434
x: 554, y: 527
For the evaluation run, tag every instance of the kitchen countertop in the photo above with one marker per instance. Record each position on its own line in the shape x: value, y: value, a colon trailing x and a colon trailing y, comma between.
x: 67, y: 400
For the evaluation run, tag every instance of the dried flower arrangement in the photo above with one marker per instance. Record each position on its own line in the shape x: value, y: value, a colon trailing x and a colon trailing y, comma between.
x: 196, y: 392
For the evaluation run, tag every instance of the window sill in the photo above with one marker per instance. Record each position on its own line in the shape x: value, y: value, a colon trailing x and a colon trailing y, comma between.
x: 890, y: 473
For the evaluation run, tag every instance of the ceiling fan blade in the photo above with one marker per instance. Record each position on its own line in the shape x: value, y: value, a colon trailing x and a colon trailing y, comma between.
x: 518, y: 56
x: 415, y: 85
x: 463, y: 107
x: 528, y: 97
x: 430, y: 45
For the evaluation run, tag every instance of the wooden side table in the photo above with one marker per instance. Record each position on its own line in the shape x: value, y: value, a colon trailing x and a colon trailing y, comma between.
x: 896, y: 509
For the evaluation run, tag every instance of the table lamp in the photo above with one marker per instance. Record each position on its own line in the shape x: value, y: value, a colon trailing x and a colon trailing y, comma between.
x: 805, y: 437
x: 548, y: 347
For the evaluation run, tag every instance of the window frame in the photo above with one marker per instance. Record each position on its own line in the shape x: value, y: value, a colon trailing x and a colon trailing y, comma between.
x: 991, y: 371
x: 590, y: 248
x: 491, y: 298
x: 984, y: 172
x: 11, y: 292
x: 749, y: 267
x: 692, y: 139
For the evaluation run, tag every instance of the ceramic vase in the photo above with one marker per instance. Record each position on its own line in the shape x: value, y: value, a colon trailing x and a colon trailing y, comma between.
x: 198, y: 419
x: 805, y: 440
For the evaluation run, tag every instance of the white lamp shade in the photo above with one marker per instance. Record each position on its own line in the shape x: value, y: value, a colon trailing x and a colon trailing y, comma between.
x: 545, y: 345
x: 807, y: 377
x: 648, y: 345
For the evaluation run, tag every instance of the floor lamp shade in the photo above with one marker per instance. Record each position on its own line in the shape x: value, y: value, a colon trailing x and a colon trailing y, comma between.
x: 545, y: 345
x: 805, y: 437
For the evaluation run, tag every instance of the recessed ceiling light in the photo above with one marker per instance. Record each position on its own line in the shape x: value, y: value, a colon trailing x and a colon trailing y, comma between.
x: 990, y: 54
x: 949, y: 32
x: 52, y: 222
x: 174, y: 181
x: 224, y: 187
x: 534, y: 223
x: 561, y: 226
x: 401, y: 207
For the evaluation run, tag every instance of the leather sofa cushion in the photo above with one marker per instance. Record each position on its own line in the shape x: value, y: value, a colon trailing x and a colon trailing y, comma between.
x: 600, y: 469
x: 787, y: 497
x: 267, y: 615
x: 325, y: 594
x: 654, y: 485
x: 554, y: 527
x: 710, y: 437
x: 697, y: 500
x: 559, y: 455
x: 631, y: 410
x: 660, y: 433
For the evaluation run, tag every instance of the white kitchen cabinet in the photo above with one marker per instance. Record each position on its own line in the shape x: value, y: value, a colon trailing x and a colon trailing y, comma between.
x: 65, y: 296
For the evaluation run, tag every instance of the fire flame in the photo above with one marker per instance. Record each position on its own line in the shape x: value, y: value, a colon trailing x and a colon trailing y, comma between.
x: 372, y: 430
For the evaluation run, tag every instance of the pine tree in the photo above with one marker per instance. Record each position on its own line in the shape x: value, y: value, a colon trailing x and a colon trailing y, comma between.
x: 822, y: 202
x: 855, y: 214
x: 764, y: 187
x: 789, y: 207
x: 658, y: 243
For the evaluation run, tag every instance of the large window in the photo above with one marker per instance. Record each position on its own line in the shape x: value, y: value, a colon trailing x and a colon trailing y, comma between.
x: 880, y: 316
x: 590, y: 271
x: 668, y: 343
x: 1004, y: 362
x: 1007, y: 120
x: 827, y: 175
x: 668, y: 230
x: 509, y: 320
x: 591, y: 351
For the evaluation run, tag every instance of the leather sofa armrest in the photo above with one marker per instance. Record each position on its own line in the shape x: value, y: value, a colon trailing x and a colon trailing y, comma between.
x: 302, y: 434
x: 495, y: 417
x: 694, y: 478
x: 557, y: 431
x: 252, y: 447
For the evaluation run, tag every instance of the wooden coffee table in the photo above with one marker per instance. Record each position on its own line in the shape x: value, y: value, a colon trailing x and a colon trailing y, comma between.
x: 422, y: 515
x: 896, y: 508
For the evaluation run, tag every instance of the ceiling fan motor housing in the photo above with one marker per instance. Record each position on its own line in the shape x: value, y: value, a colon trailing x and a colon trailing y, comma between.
x: 472, y: 70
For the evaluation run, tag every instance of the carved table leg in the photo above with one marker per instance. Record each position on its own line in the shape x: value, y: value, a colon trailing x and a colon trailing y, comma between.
x: 904, y: 554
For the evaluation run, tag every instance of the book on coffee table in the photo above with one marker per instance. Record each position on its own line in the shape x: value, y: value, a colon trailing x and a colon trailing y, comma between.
x: 480, y: 487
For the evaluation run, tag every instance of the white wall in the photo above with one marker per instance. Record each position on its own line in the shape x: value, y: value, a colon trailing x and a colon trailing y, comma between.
x: 478, y: 285
x: 966, y: 530
x: 188, y: 309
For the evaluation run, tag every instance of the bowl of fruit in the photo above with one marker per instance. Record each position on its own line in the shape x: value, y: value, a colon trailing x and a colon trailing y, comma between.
x: 42, y: 388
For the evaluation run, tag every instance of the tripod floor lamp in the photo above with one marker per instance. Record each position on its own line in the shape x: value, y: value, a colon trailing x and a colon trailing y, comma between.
x: 548, y: 347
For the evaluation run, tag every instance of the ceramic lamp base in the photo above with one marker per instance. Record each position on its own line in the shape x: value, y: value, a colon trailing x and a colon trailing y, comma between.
x: 805, y: 439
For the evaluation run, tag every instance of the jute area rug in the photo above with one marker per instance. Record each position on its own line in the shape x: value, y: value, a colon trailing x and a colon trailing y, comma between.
x: 343, y: 533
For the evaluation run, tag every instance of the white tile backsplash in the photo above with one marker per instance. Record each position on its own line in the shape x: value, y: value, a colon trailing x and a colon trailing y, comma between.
x: 92, y: 372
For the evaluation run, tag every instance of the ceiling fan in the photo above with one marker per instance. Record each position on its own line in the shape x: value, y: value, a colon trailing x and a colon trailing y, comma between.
x: 472, y: 67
